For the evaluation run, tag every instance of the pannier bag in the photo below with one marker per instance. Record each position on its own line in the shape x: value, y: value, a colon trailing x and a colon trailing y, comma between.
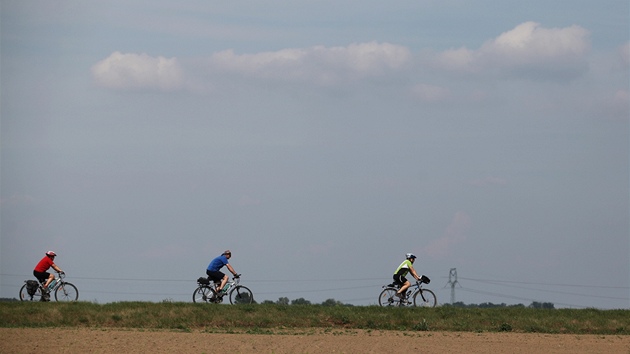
x: 203, y: 281
x: 31, y: 287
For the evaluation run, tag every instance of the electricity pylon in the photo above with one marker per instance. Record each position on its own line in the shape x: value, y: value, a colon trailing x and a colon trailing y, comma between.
x: 452, y: 280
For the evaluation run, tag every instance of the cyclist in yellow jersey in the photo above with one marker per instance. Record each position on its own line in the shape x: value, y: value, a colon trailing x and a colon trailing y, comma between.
x: 403, y: 269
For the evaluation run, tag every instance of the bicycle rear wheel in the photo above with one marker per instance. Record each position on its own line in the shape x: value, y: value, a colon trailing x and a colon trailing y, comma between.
x: 24, y: 296
x: 425, y: 298
x: 66, y: 292
x: 203, y: 294
x: 241, y: 295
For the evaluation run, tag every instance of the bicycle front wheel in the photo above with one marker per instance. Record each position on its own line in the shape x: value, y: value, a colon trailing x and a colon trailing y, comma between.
x: 66, y: 292
x: 24, y: 296
x: 388, y: 297
x: 203, y: 294
x: 425, y: 298
x: 241, y: 295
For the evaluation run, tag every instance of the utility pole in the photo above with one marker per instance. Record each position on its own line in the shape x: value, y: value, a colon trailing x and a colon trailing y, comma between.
x: 452, y: 280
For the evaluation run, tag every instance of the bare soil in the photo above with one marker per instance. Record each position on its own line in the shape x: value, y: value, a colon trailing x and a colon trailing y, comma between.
x: 105, y: 340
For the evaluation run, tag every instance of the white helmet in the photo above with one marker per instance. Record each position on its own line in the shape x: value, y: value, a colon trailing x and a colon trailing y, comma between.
x: 410, y: 256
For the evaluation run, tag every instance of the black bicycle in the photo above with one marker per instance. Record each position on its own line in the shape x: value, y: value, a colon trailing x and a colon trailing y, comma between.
x: 33, y: 290
x: 207, y: 293
x: 416, y: 295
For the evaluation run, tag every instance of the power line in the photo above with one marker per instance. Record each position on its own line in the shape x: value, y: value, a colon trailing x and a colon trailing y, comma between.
x: 492, y: 281
x: 546, y: 284
x: 191, y: 279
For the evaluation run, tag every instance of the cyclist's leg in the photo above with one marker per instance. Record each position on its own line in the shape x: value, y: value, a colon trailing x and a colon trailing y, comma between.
x: 224, y: 281
x: 403, y: 283
x: 44, y: 278
x: 216, y: 277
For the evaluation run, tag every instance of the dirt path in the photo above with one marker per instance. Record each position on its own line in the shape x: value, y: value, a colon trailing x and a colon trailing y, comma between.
x: 19, y: 340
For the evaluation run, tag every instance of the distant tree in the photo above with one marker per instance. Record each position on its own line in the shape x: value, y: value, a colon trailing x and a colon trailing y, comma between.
x: 482, y: 305
x: 489, y: 305
x: 332, y: 302
x: 300, y: 301
x: 542, y: 305
x: 267, y: 302
x: 283, y: 301
x: 243, y: 298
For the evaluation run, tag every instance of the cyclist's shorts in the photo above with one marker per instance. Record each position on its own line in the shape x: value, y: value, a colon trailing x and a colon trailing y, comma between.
x: 215, y: 276
x: 41, y: 276
x: 399, y: 279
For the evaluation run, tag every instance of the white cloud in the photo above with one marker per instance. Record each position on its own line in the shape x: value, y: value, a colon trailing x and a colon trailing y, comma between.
x: 138, y: 71
x: 527, y: 50
x: 324, y: 65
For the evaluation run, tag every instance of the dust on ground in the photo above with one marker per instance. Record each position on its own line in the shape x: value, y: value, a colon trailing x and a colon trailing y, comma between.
x: 108, y: 340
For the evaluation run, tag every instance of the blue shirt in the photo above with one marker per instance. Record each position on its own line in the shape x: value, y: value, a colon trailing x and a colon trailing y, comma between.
x: 217, y: 263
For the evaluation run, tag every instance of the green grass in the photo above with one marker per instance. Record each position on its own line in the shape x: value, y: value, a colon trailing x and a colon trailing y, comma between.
x: 271, y: 318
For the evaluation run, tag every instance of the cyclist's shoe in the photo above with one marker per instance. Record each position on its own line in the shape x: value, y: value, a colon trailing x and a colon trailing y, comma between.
x: 400, y: 295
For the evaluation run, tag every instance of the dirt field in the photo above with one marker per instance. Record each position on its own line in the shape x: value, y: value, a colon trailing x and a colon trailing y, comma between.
x: 16, y: 340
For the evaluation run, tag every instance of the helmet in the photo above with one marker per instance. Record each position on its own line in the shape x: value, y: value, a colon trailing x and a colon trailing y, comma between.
x: 227, y: 252
x: 410, y: 256
x: 51, y: 254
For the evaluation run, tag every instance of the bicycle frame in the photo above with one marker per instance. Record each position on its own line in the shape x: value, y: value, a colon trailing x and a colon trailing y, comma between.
x: 230, y: 285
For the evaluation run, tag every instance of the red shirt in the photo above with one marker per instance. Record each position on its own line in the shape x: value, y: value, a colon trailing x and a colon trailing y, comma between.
x: 44, y: 264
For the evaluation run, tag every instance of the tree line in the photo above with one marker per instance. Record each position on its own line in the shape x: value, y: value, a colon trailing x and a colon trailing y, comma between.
x: 533, y: 305
x: 303, y: 301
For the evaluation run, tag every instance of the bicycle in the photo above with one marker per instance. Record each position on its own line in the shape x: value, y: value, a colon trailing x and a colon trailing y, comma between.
x: 416, y: 295
x: 33, y: 290
x: 238, y: 294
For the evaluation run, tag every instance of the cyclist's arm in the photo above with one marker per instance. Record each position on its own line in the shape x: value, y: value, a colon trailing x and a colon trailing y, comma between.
x: 413, y: 272
x: 55, y: 267
x: 229, y: 267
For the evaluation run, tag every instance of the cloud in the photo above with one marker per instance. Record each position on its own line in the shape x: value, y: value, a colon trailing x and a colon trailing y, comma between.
x: 528, y: 50
x: 455, y: 233
x: 323, y: 65
x: 138, y: 71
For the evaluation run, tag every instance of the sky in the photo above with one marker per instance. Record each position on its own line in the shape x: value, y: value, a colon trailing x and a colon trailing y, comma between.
x: 319, y: 141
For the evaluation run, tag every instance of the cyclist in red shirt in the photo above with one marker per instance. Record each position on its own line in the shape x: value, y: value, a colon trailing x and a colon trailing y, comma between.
x: 40, y: 271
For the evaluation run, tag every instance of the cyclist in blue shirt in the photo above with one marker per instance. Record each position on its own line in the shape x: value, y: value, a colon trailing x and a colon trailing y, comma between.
x: 403, y: 269
x: 214, y: 269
